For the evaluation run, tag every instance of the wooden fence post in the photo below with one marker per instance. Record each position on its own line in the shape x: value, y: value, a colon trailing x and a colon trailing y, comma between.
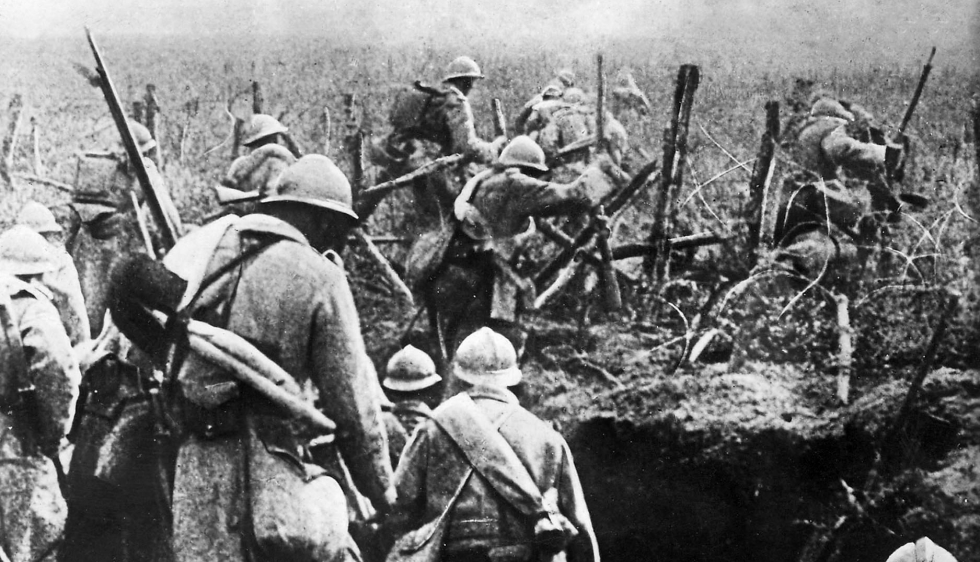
x: 758, y: 216
x: 152, y: 108
x: 258, y: 100
x: 36, y: 147
x: 10, y: 141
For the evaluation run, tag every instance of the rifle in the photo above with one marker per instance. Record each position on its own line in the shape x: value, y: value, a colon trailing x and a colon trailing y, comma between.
x: 918, y: 92
x: 132, y: 151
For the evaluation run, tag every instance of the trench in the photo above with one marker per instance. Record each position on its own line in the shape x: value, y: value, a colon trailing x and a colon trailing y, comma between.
x: 658, y: 492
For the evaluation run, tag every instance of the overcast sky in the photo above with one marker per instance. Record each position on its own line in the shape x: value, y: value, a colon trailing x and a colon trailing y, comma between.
x: 859, y: 26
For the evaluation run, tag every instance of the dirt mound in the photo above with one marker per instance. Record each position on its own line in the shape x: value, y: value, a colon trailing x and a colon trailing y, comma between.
x: 759, y: 463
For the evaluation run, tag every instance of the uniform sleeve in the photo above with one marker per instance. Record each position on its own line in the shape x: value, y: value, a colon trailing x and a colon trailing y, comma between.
x: 521, y: 124
x: 69, y: 300
x: 462, y: 133
x: 540, y: 198
x: 410, y: 480
x: 852, y: 154
x: 347, y: 383
x: 52, y: 369
x: 571, y: 501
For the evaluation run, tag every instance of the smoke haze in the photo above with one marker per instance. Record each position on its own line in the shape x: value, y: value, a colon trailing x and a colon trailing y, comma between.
x: 837, y: 33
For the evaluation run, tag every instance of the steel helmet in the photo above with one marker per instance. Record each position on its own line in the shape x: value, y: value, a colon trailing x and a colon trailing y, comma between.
x: 523, y: 152
x: 463, y: 67
x: 261, y: 126
x: 551, y: 91
x: 25, y: 252
x: 315, y: 180
x: 38, y: 218
x: 486, y: 357
x: 924, y: 550
x: 574, y: 95
x: 144, y: 140
x: 410, y: 369
x: 567, y: 77
x: 829, y: 107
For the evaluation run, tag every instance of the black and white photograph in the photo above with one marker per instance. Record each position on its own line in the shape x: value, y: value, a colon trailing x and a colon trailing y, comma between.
x: 489, y: 281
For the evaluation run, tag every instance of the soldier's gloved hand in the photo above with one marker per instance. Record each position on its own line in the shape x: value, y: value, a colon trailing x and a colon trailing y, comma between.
x: 895, y: 161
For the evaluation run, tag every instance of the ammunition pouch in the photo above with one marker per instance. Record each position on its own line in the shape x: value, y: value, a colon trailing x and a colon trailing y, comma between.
x: 117, y: 435
x: 510, y: 553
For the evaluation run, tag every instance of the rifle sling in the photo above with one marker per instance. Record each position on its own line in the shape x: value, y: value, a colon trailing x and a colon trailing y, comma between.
x: 490, y: 455
x: 459, y: 487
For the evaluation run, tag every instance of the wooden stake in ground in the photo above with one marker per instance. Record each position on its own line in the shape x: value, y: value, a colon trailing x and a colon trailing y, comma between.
x: 325, y: 123
x: 758, y: 218
x: 36, y: 147
x: 845, y: 348
x: 675, y: 152
x: 976, y: 134
x: 152, y: 108
x: 138, y: 111
x: 10, y: 141
x: 258, y: 100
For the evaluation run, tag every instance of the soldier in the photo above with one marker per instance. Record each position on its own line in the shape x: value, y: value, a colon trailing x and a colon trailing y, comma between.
x: 62, y: 282
x: 563, y: 80
x: 477, y: 282
x: 842, y: 186
x: 499, y: 482
x: 430, y: 122
x: 615, y: 134
x: 254, y: 175
x: 411, y: 385
x: 556, y: 125
x: 627, y: 96
x: 296, y: 307
x: 38, y: 386
x: 106, y: 230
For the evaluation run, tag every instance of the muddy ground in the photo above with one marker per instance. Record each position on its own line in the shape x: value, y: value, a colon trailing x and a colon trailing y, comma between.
x: 760, y: 463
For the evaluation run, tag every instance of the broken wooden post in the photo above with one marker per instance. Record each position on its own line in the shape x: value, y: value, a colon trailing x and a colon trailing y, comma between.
x: 600, y: 114
x: 355, y: 141
x: 36, y: 147
x: 845, y: 348
x: 758, y: 218
x: 152, y: 109
x: 138, y: 112
x: 675, y: 150
x: 325, y: 123
x: 190, y: 111
x: 258, y: 100
x: 10, y: 141
x: 976, y: 133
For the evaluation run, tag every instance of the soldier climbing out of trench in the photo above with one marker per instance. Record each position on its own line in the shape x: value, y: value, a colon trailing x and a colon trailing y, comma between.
x: 473, y: 280
x: 107, y: 205
x: 254, y: 175
x: 429, y: 122
x: 563, y: 80
x: 835, y: 209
